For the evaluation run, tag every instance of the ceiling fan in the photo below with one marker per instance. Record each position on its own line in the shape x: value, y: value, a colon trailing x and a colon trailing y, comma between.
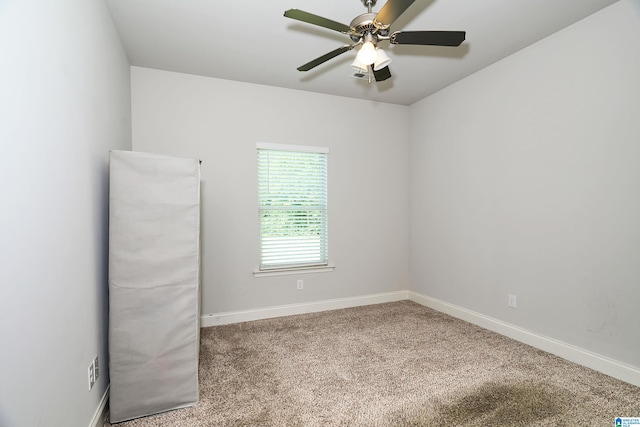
x: 368, y: 30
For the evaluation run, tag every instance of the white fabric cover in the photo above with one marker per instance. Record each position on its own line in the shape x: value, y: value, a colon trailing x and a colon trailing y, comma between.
x: 154, y: 229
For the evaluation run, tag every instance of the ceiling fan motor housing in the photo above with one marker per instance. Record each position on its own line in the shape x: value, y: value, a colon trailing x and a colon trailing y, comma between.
x: 364, y: 24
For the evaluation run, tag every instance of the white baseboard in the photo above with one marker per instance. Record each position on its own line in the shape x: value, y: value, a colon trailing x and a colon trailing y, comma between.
x: 566, y: 351
x: 99, y: 416
x: 303, y: 308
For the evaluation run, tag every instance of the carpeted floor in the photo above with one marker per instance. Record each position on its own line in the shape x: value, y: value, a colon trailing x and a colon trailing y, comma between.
x: 394, y: 364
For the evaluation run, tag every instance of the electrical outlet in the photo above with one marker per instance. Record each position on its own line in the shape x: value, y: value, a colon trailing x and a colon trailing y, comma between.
x: 300, y: 285
x: 512, y: 301
x: 92, y: 378
x: 96, y: 369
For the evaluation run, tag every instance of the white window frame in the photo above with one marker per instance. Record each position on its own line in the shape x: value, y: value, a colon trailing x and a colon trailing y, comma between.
x: 289, y: 269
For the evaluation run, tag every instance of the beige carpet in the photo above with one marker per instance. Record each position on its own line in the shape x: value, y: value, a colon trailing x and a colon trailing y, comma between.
x: 394, y: 364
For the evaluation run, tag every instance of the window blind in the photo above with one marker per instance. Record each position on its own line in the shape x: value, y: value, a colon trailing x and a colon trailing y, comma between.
x: 292, y: 198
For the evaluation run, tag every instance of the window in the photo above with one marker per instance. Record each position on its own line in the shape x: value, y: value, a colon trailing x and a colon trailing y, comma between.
x: 292, y: 200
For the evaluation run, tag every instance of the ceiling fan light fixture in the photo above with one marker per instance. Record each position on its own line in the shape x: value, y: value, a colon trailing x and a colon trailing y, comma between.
x: 367, y: 54
x: 382, y: 60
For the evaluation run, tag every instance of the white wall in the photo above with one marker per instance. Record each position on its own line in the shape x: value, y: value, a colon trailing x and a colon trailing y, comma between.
x: 64, y: 103
x: 525, y: 179
x: 220, y: 122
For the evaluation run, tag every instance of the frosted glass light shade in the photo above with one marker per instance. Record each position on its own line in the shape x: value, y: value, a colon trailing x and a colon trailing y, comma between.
x: 359, y: 66
x: 367, y: 54
x: 382, y: 60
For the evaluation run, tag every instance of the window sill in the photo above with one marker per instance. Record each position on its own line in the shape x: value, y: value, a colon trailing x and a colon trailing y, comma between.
x: 289, y: 271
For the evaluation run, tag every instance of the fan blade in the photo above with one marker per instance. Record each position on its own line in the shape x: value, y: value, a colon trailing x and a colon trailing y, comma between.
x: 310, y: 18
x: 325, y: 58
x: 382, y: 74
x: 390, y: 12
x: 432, y: 38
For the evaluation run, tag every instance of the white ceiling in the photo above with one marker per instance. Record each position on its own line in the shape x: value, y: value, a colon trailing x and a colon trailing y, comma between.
x: 252, y: 41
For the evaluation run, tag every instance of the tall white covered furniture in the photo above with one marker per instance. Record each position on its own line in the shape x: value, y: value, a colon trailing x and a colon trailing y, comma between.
x: 154, y: 230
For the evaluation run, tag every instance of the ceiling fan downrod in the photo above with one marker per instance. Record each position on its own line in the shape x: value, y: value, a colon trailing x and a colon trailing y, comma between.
x: 369, y: 4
